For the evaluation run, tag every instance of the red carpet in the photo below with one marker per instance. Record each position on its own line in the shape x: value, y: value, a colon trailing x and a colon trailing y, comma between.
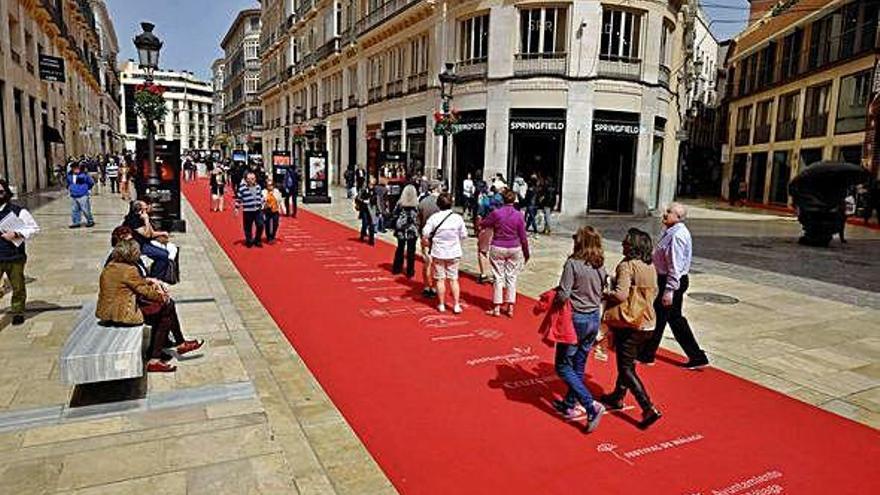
x: 456, y: 405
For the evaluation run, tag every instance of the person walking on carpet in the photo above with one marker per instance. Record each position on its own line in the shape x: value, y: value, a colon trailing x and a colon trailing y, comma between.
x: 672, y: 260
x: 508, y: 253
x: 582, y: 284
x: 272, y: 210
x: 250, y: 200
x: 442, y: 236
x: 427, y: 207
x: 406, y: 230
x: 365, y: 204
x: 79, y: 186
x: 630, y: 317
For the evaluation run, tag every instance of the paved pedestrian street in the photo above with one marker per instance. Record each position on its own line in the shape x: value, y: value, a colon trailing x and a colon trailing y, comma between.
x: 247, y: 416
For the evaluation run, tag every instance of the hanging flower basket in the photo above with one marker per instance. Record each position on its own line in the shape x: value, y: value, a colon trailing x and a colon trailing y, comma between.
x: 445, y: 124
x: 299, y: 135
x: 149, y: 102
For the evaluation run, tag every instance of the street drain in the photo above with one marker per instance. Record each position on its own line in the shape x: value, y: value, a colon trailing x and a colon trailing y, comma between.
x: 714, y: 298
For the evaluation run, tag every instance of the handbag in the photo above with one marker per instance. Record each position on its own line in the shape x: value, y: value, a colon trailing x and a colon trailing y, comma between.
x: 634, y: 312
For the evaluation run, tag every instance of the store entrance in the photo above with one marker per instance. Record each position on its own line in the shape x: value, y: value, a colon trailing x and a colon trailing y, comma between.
x: 538, y: 155
x: 612, y: 172
x: 468, y: 158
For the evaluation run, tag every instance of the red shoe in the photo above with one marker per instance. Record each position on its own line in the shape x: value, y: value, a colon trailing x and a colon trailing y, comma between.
x: 160, y: 367
x: 189, y: 346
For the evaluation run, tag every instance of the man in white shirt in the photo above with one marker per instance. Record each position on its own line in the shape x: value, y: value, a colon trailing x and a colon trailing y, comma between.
x: 16, y: 226
x: 672, y: 260
x: 468, y: 190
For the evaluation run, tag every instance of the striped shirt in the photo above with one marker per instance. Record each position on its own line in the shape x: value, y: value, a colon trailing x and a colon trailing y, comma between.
x: 250, y: 197
x: 112, y: 170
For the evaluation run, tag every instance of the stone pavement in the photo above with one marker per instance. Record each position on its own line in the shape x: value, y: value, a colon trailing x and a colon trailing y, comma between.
x: 813, y: 340
x: 244, y: 417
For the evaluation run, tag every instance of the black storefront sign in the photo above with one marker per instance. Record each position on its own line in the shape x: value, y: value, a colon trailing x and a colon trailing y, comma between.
x: 518, y: 125
x: 166, y: 204
x: 624, y: 128
x: 316, y: 178
x: 51, y: 68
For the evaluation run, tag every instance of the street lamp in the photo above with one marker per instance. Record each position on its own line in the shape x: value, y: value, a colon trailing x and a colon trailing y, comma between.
x: 447, y: 84
x: 148, y: 47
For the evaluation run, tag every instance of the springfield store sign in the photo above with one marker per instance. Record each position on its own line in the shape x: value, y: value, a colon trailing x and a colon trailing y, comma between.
x: 531, y: 125
x: 616, y: 128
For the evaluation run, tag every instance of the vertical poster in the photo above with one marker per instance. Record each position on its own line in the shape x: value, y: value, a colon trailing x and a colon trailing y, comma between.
x: 281, y: 164
x: 166, y: 200
x: 316, y: 178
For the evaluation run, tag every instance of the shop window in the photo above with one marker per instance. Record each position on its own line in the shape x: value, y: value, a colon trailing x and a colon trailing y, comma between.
x: 792, y: 47
x: 852, y: 103
x: 473, y: 40
x: 743, y: 126
x: 762, y: 122
x: 757, y: 177
x: 621, y: 35
x: 543, y: 31
x: 816, y: 107
x: 780, y: 178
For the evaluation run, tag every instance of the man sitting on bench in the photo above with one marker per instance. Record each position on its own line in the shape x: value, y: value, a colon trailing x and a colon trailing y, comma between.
x: 126, y: 298
x: 154, y: 243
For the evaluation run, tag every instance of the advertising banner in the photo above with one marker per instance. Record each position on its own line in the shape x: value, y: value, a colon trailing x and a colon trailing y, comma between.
x: 316, y: 178
x: 166, y: 201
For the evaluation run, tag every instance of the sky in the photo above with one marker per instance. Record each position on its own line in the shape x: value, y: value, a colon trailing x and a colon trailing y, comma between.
x: 192, y: 29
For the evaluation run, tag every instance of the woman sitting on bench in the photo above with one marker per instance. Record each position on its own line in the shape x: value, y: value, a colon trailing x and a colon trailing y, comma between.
x: 126, y: 298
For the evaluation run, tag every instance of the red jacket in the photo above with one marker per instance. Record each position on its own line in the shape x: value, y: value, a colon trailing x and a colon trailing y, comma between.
x: 557, y: 326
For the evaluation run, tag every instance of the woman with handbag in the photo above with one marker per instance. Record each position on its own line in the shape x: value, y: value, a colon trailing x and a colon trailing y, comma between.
x: 629, y: 314
x: 406, y: 230
x: 442, y: 235
x: 582, y: 284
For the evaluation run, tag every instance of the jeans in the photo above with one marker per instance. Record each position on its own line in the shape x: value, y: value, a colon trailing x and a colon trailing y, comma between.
x: 679, y: 324
x: 81, y: 206
x: 159, y: 256
x: 571, y: 359
x: 271, y: 220
x: 250, y: 218
x: 367, y: 226
x: 506, y: 265
x: 14, y: 270
x: 114, y: 185
x: 290, y: 204
x: 408, y: 245
x: 548, y: 219
x: 532, y: 218
x: 627, y: 345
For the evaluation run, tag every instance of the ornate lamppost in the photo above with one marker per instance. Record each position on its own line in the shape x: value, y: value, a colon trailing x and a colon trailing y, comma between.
x: 446, y: 119
x: 150, y: 103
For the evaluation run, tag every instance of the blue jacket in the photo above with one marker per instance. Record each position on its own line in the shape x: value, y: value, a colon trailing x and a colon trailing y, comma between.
x: 79, y: 185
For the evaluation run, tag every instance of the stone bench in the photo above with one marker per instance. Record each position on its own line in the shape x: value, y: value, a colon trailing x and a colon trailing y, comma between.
x: 95, y: 353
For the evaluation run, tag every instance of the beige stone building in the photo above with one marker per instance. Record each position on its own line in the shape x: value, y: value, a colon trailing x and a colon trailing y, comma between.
x: 802, y: 81
x: 42, y: 121
x: 242, y: 114
x: 580, y: 92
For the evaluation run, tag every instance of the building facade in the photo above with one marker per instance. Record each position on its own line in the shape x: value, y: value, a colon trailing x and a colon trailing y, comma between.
x: 802, y: 79
x: 110, y: 104
x: 43, y: 122
x: 242, y: 114
x: 579, y: 92
x: 220, y: 139
x: 188, y: 99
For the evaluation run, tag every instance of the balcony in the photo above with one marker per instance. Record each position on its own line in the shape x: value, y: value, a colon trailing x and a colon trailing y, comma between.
x: 382, y: 13
x: 743, y: 136
x: 664, y: 76
x: 762, y: 134
x: 468, y: 70
x: 352, y: 101
x: 304, y: 7
x: 325, y: 108
x: 349, y: 36
x: 327, y: 49
x: 815, y: 126
x: 417, y: 82
x: 620, y: 68
x: 785, y: 131
x: 337, y: 105
x: 374, y: 94
x: 313, y: 112
x: 394, y: 88
x: 540, y: 64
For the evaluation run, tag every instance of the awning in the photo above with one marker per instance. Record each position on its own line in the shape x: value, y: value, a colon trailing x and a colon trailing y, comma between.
x: 51, y: 135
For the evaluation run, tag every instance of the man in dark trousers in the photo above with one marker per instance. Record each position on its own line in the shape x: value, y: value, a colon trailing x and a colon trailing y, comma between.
x: 16, y: 226
x: 672, y: 260
x: 250, y: 202
x: 291, y: 190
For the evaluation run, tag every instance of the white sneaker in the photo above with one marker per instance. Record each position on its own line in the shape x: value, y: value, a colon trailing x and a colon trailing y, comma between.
x: 441, y: 308
x: 456, y: 309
